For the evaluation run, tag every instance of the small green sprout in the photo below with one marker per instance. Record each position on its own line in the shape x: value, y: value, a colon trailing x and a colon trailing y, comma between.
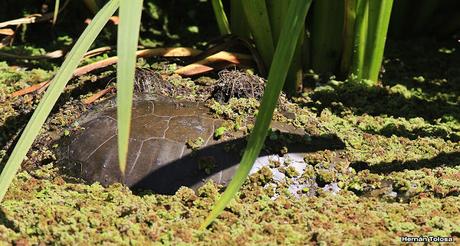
x: 219, y: 132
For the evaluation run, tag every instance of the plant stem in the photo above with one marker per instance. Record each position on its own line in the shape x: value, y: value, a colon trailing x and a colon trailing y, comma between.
x: 221, y: 17
x: 348, y: 34
x: 326, y: 33
x: 238, y: 21
x: 360, y: 37
x: 292, y: 26
x: 379, y: 18
x: 277, y: 10
x: 259, y: 24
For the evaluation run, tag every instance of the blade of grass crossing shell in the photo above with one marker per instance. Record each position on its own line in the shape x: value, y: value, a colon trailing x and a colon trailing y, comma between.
x: 259, y: 24
x: 379, y: 18
x: 221, y: 17
x: 283, y: 55
x: 45, y: 106
x: 56, y: 11
x: 128, y: 34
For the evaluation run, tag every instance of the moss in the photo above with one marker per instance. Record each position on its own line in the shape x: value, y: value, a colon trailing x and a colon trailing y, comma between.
x: 262, y: 177
x: 75, y: 213
x: 220, y: 131
x: 398, y: 170
x: 195, y: 144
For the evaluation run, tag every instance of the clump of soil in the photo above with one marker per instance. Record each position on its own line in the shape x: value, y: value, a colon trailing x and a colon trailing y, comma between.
x: 237, y: 84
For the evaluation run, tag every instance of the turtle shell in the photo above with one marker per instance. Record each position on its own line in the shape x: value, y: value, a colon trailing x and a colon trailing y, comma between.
x: 159, y: 157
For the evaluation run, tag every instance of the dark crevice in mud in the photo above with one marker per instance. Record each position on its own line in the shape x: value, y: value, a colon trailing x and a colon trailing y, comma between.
x: 442, y: 160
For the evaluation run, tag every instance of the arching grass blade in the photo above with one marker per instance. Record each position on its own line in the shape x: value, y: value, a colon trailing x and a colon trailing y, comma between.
x: 63, y: 75
x: 286, y: 47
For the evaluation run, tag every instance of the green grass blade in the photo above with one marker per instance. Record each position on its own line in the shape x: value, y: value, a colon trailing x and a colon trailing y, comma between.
x: 56, y: 11
x: 360, y: 37
x: 326, y: 34
x: 52, y: 94
x: 238, y: 21
x: 259, y: 24
x: 277, y: 11
x: 379, y: 18
x: 292, y: 26
x: 294, y: 79
x: 128, y: 35
x: 348, y: 33
x: 221, y: 17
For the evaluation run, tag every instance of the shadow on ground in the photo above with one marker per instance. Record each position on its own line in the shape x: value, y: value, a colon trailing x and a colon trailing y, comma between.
x: 451, y: 159
x: 6, y: 222
x: 217, y: 162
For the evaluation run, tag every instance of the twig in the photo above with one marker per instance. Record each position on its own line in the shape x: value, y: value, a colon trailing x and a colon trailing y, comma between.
x: 51, y: 55
x: 98, y: 95
x: 31, y: 18
x: 191, y: 69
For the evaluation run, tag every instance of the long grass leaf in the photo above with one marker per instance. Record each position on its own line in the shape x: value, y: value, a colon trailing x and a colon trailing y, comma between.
x: 360, y: 37
x: 348, y: 33
x: 238, y: 21
x: 277, y: 11
x: 56, y: 11
x: 292, y: 26
x: 221, y: 17
x: 45, y: 106
x: 294, y: 79
x: 326, y: 33
x: 259, y: 24
x: 128, y: 35
x: 379, y: 18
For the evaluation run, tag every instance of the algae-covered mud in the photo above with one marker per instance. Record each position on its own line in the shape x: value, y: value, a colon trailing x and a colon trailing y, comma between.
x: 383, y: 162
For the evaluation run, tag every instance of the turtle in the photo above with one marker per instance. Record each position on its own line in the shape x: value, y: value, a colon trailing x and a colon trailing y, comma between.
x: 172, y: 144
